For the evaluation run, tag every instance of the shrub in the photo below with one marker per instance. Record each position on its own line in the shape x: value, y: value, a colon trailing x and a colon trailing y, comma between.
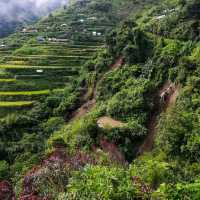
x: 178, y: 191
x: 152, y: 170
x: 102, y: 183
x: 4, y: 170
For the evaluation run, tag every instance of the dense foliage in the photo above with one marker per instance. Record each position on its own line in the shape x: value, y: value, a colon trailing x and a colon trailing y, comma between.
x: 77, y: 156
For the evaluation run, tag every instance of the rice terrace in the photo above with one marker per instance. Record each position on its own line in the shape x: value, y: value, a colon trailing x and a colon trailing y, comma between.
x: 100, y: 100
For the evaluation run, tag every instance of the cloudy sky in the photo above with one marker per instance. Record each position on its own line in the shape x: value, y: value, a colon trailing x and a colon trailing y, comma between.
x: 19, y: 9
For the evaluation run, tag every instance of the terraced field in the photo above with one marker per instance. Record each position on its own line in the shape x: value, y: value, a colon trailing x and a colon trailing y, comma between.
x: 47, y: 56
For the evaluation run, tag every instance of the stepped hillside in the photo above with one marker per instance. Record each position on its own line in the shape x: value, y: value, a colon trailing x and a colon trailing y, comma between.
x: 101, y: 101
x: 48, y: 55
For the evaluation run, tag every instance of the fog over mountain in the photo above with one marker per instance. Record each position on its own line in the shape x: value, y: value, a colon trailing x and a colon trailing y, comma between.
x: 14, y: 12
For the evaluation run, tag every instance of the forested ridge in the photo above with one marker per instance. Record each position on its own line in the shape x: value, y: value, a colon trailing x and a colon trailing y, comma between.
x: 101, y: 101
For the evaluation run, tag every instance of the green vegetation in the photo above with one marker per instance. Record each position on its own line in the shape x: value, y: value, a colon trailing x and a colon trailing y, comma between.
x: 15, y: 104
x: 83, y: 65
x: 8, y: 80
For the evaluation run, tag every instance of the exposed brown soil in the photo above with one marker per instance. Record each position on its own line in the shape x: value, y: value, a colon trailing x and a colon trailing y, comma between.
x: 84, y: 109
x: 55, y: 161
x: 113, y: 151
x: 117, y: 64
x: 6, y: 191
x: 159, y: 107
x: 91, y: 102
x: 79, y: 159
x: 108, y: 122
x: 61, y: 157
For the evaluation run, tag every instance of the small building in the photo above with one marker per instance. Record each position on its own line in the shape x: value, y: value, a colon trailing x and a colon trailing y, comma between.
x: 160, y: 17
x: 2, y: 46
x: 57, y: 40
x: 51, y: 39
x: 81, y: 20
x: 94, y: 33
x: 169, y: 10
x: 92, y: 18
x: 26, y: 30
x: 39, y: 70
x: 41, y: 39
x: 63, y: 25
x: 99, y: 34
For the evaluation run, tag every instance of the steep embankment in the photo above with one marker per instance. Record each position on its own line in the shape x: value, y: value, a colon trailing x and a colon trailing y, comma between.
x: 160, y: 106
x: 90, y: 102
x: 59, y: 158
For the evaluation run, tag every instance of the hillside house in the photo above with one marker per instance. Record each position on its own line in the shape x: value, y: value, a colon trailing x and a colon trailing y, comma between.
x: 2, y: 46
x: 39, y: 71
x: 63, y: 25
x: 160, y: 17
x: 94, y: 33
x: 57, y: 40
x: 41, y: 39
x: 26, y: 30
x: 92, y: 18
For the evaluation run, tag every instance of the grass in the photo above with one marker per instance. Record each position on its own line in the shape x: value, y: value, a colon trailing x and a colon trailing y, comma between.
x: 28, y: 93
x: 70, y: 46
x: 7, y: 66
x: 47, y: 56
x: 16, y: 103
x: 9, y: 80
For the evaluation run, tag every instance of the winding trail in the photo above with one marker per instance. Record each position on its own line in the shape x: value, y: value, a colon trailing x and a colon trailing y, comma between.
x: 91, y: 102
x: 159, y: 107
x: 108, y: 122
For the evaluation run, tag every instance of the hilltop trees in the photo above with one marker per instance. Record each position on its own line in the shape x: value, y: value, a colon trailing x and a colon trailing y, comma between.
x: 129, y: 41
x: 191, y: 9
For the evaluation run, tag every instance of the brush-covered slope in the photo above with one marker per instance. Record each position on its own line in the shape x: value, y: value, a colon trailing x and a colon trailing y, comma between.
x: 49, y: 55
x: 126, y: 127
x: 43, y: 77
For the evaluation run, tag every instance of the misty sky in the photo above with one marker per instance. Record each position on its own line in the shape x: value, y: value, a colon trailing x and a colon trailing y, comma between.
x: 22, y: 9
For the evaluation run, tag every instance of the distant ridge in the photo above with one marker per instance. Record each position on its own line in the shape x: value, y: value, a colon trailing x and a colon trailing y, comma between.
x: 15, y: 13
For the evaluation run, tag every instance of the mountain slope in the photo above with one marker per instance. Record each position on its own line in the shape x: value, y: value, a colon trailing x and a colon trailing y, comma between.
x: 145, y: 81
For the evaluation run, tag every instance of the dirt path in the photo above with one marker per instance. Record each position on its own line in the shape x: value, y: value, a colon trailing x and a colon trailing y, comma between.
x: 84, y: 109
x: 159, y: 107
x: 117, y: 64
x: 90, y: 103
x: 108, y: 122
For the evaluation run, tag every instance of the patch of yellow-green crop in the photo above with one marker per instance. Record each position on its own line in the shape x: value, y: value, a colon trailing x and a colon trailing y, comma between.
x: 7, y: 66
x: 28, y: 93
x: 8, y: 80
x: 16, y: 103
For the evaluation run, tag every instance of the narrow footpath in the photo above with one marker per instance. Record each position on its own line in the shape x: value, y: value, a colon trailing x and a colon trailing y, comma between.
x: 91, y: 102
x: 170, y: 93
